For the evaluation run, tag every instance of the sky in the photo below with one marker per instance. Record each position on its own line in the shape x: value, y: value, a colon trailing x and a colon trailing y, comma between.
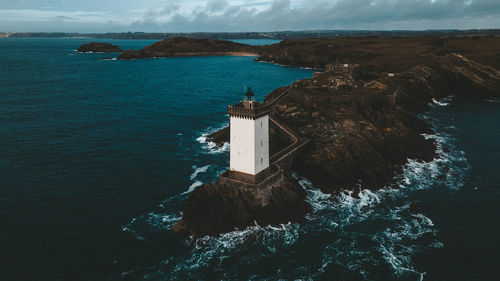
x: 244, y: 15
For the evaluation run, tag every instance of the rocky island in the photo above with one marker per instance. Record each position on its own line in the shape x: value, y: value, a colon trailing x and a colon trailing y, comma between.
x: 356, y: 118
x: 177, y: 47
x: 99, y: 48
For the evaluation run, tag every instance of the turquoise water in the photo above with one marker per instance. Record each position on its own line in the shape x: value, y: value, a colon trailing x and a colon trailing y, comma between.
x: 97, y: 155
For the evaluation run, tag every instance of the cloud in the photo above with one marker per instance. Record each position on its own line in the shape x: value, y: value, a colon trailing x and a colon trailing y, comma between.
x: 220, y: 15
x: 216, y: 5
x: 262, y: 15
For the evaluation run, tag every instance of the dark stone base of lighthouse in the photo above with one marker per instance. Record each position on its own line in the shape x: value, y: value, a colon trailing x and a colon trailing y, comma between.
x: 226, y: 204
x: 249, y: 177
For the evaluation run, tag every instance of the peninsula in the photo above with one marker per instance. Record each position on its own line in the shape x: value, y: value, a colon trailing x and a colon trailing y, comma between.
x: 351, y: 126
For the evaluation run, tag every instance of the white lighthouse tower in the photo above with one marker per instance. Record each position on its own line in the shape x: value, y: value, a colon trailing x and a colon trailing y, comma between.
x: 249, y: 127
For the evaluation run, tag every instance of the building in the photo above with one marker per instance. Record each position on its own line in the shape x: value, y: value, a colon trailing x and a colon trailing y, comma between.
x: 349, y: 69
x: 249, y: 138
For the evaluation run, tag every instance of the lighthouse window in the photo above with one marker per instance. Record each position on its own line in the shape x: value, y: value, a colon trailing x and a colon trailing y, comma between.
x: 261, y: 160
x: 260, y: 142
x: 261, y: 124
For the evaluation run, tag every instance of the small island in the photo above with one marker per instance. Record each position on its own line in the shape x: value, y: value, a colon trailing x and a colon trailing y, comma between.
x: 96, y: 47
x: 182, y: 47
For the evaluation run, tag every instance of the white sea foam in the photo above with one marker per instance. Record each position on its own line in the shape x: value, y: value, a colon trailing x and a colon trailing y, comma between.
x: 396, y: 243
x: 356, y: 231
x: 221, y: 149
x: 162, y: 221
x: 440, y: 103
x: 192, y: 187
x: 443, y: 102
x: 152, y: 221
x: 214, y: 250
x: 198, y: 170
x: 128, y: 228
x: 210, y: 146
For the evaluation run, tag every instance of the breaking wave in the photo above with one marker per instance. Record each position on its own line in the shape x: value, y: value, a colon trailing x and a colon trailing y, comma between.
x: 361, y: 235
x: 193, y: 186
x: 210, y: 146
x: 198, y: 170
x: 440, y: 103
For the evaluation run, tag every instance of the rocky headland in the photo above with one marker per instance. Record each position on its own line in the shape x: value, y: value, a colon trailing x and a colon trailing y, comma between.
x: 360, y: 127
x: 99, y: 48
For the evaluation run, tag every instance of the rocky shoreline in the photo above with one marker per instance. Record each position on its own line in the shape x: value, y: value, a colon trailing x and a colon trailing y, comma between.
x: 362, y: 133
x: 361, y: 128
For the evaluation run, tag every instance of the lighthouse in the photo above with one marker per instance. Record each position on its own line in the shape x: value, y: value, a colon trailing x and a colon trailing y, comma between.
x: 249, y: 138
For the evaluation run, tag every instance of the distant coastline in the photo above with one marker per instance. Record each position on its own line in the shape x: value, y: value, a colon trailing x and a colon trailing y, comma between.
x: 5, y: 35
x: 279, y: 35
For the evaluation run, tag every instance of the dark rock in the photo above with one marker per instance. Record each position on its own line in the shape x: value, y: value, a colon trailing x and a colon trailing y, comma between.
x: 99, y: 48
x: 219, y: 137
x: 415, y: 209
x: 225, y: 205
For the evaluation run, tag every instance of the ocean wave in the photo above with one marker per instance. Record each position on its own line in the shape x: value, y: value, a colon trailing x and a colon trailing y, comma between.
x: 366, y: 234
x: 192, y: 187
x: 146, y: 225
x: 209, y: 146
x: 383, y: 217
x: 442, y: 102
x: 129, y: 228
x: 198, y: 170
x: 371, y: 218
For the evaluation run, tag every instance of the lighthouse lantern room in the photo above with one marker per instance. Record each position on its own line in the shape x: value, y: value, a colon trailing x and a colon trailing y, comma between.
x: 249, y: 130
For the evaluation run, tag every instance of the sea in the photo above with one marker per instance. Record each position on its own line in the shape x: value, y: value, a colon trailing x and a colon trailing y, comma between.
x: 97, y: 156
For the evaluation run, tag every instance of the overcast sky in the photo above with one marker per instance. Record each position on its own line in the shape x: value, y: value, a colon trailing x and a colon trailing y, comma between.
x: 244, y: 15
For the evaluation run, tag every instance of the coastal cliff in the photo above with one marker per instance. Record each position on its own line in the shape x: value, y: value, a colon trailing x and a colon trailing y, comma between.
x: 362, y: 128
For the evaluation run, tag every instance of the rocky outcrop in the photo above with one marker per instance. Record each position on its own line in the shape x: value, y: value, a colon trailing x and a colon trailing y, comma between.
x: 225, y: 205
x: 358, y: 137
x: 361, y: 132
x: 99, y: 48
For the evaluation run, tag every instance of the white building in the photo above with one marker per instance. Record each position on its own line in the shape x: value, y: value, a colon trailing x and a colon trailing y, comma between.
x: 249, y: 130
